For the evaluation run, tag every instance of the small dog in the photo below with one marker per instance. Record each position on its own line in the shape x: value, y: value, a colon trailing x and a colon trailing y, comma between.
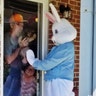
x: 27, y: 34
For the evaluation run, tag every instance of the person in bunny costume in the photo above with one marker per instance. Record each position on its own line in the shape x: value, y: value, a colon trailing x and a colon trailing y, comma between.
x: 59, y: 63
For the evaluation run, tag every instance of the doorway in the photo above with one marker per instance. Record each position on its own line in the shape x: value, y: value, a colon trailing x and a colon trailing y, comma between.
x: 33, y: 12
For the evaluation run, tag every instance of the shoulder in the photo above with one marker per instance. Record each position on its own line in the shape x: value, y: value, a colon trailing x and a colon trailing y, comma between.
x: 68, y: 44
x: 66, y: 48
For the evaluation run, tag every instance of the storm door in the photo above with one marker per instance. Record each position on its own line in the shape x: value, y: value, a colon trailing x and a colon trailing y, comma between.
x: 33, y: 12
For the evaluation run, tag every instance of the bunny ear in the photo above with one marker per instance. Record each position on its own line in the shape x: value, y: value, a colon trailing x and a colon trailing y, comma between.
x: 54, y: 11
x: 50, y: 17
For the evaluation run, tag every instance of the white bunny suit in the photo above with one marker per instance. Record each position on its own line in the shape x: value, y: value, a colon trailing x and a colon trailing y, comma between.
x: 59, y: 63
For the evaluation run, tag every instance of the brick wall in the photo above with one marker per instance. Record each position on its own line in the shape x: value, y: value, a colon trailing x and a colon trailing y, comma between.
x: 75, y: 7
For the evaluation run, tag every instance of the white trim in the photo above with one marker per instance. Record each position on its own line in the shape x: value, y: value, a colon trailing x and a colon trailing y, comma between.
x: 1, y: 39
x: 94, y: 51
x: 86, y: 33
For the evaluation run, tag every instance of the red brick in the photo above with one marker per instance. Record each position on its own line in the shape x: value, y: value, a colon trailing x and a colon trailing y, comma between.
x: 76, y: 79
x: 76, y: 43
x: 73, y: 2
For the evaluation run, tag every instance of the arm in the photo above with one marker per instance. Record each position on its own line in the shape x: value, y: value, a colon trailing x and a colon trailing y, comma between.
x: 56, y: 57
x: 47, y: 63
x: 10, y: 58
x: 9, y: 54
x: 50, y: 63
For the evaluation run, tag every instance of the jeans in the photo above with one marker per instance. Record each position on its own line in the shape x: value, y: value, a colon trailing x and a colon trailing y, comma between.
x: 12, y: 86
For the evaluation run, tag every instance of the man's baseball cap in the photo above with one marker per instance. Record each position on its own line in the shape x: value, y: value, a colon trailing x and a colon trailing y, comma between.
x: 17, y: 18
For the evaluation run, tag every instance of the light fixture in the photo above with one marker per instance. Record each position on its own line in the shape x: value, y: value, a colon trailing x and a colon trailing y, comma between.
x: 36, y: 19
x: 65, y: 10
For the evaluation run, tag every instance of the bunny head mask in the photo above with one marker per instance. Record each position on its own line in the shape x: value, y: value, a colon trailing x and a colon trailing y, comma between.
x: 63, y: 30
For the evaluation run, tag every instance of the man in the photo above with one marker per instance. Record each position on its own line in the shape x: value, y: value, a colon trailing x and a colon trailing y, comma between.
x: 11, y: 54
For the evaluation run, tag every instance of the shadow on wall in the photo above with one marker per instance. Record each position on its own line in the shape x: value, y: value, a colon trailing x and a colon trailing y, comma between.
x: 75, y: 91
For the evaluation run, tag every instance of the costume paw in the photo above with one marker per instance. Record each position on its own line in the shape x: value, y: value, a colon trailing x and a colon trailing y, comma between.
x: 30, y: 57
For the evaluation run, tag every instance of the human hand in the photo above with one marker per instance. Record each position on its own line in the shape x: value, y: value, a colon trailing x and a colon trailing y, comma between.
x: 30, y: 57
x: 24, y: 43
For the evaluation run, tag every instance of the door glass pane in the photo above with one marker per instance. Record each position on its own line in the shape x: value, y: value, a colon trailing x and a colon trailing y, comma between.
x: 32, y: 14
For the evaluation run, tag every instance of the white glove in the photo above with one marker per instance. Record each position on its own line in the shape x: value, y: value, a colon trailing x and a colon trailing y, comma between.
x: 30, y: 56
